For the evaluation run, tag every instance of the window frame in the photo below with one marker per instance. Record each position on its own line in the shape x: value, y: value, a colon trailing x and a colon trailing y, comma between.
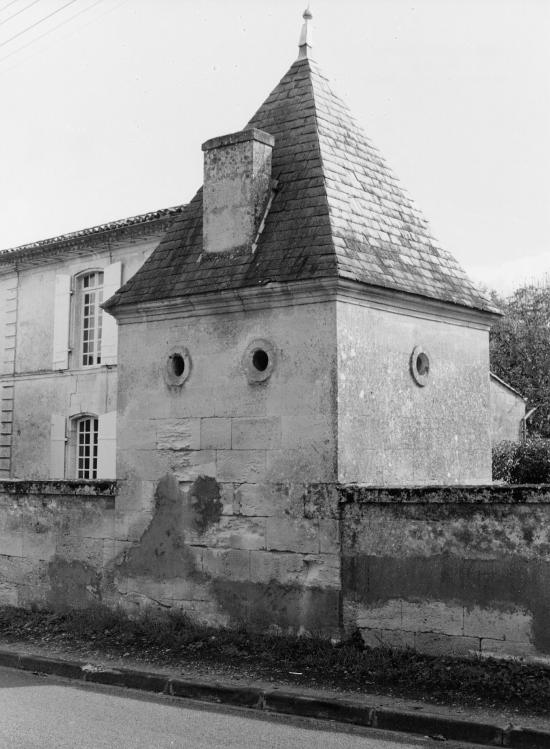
x: 77, y: 329
x: 74, y: 445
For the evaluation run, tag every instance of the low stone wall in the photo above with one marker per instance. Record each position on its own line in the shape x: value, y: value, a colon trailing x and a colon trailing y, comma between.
x: 55, y: 538
x: 442, y: 569
x: 263, y: 555
x: 448, y: 569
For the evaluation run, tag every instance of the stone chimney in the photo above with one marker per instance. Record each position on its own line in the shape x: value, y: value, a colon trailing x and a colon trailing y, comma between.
x: 237, y: 189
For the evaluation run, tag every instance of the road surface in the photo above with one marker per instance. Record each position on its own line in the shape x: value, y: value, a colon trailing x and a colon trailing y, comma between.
x: 49, y: 713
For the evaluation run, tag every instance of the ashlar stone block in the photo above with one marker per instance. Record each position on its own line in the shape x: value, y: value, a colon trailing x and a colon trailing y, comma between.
x: 179, y: 434
x: 240, y: 466
x: 498, y: 625
x: 292, y: 534
x: 215, y: 434
x: 256, y: 433
x: 233, y: 564
x: 433, y: 616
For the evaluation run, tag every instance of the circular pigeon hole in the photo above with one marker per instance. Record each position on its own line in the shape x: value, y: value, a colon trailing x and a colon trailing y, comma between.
x: 178, y: 366
x: 258, y: 361
x: 420, y: 366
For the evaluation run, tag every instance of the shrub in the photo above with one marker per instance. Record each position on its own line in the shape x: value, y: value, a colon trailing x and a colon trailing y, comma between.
x: 522, y: 463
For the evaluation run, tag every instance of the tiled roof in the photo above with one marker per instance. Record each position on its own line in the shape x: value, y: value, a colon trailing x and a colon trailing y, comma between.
x: 338, y: 211
x: 162, y: 216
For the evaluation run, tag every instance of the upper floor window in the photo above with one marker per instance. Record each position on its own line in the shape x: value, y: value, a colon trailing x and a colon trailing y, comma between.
x: 84, y: 335
x: 89, y: 313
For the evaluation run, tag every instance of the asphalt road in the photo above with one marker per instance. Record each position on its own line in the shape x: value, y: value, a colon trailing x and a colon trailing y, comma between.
x: 50, y: 713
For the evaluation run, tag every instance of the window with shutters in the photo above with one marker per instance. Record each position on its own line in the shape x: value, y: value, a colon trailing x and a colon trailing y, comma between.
x: 87, y: 438
x: 84, y: 335
x: 89, y: 295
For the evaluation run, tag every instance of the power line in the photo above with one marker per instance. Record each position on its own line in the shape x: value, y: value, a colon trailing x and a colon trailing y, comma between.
x: 7, y: 5
x: 54, y: 28
x: 19, y: 11
x: 36, y: 23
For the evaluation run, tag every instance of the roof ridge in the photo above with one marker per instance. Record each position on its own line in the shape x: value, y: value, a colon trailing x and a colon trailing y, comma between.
x: 122, y: 223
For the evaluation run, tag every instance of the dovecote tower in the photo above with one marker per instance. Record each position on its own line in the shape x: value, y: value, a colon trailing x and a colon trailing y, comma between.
x: 297, y: 327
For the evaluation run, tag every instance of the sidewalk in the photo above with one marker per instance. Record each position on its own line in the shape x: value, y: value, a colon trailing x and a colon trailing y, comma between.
x: 486, y: 727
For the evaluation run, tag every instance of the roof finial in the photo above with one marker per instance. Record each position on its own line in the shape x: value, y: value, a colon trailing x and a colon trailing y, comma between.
x: 305, y: 42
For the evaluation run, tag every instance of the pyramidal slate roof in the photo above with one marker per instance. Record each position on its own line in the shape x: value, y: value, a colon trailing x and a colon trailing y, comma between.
x: 338, y: 212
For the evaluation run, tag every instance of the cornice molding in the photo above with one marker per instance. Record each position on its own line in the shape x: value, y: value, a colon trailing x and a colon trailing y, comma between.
x: 298, y: 293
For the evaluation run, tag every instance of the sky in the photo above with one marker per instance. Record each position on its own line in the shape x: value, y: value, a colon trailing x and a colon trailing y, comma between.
x: 104, y: 105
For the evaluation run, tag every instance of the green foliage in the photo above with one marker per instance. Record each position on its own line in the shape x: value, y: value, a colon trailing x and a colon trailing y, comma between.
x: 172, y: 639
x: 522, y: 463
x: 520, y: 350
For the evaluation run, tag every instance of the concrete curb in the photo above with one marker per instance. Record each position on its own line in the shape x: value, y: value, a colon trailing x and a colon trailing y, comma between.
x: 341, y: 710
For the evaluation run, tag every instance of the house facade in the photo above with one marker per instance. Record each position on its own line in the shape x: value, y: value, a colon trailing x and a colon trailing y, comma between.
x: 507, y: 408
x: 58, y: 350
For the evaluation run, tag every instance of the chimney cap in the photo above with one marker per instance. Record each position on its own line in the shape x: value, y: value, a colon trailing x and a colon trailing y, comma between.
x: 241, y: 136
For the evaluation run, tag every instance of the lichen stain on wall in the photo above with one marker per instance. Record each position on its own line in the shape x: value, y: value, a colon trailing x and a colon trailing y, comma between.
x: 162, y: 552
x: 164, y: 561
x: 483, y: 554
x: 73, y: 584
x: 289, y: 607
x: 506, y: 584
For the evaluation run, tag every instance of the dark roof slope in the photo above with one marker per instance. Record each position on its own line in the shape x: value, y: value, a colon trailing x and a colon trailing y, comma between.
x: 338, y: 211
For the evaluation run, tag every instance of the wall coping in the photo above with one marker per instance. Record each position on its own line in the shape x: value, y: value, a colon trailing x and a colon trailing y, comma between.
x: 478, y: 494
x: 74, y: 487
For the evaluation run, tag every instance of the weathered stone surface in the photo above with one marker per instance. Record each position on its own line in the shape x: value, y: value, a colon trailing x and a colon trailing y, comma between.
x: 188, y: 465
x: 310, y: 570
x: 439, y: 644
x: 509, y: 648
x: 233, y: 532
x: 269, y: 500
x: 329, y: 536
x: 233, y: 564
x: 240, y: 466
x: 499, y: 625
x: 257, y: 433
x: 389, y: 638
x: 215, y: 434
x: 292, y: 534
x: 178, y: 434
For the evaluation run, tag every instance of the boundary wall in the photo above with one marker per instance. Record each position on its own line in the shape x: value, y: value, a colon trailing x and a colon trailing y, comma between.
x: 446, y: 570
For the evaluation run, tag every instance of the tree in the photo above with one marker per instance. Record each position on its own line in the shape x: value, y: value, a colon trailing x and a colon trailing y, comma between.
x: 520, y: 350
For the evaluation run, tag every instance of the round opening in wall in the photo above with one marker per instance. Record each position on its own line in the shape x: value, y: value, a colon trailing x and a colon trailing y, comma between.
x: 420, y: 366
x: 260, y: 360
x: 178, y: 366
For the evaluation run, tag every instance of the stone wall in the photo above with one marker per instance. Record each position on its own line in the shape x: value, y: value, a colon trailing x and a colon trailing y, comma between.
x: 449, y: 569
x: 391, y: 430
x: 236, y: 553
x: 56, y: 540
x: 214, y: 472
x: 454, y: 570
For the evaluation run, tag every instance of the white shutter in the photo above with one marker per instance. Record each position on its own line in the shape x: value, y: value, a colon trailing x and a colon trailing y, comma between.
x: 57, y: 446
x: 61, y: 322
x: 109, y: 334
x: 106, y: 446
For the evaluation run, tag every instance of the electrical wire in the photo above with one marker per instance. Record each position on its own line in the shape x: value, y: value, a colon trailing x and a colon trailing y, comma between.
x: 36, y: 23
x: 7, y: 5
x: 18, y: 12
x: 54, y: 28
